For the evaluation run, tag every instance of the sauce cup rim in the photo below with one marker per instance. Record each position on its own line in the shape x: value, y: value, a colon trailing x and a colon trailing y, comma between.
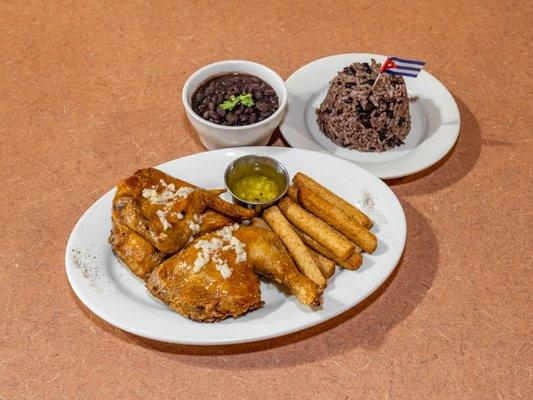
x: 284, y: 171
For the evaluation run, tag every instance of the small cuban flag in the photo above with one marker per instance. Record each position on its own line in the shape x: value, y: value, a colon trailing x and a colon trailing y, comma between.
x: 401, y: 66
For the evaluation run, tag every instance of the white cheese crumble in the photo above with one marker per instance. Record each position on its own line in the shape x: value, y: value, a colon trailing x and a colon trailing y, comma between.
x: 210, y: 250
x: 199, y: 263
x: 234, y: 244
x: 162, y: 215
x: 222, y: 266
x: 178, y: 215
x: 238, y: 246
x: 194, y: 224
x: 170, y: 186
x: 207, y: 249
x: 150, y: 194
x: 226, y: 233
x: 184, y: 192
x: 169, y: 193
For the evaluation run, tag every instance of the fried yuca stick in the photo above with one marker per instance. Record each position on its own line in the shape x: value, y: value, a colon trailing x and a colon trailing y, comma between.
x: 333, y: 240
x: 299, y: 251
x: 352, y: 262
x: 327, y: 267
x: 304, y: 181
x: 293, y: 193
x: 337, y: 219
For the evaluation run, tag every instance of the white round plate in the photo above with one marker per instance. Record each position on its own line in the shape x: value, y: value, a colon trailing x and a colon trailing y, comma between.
x: 435, y: 119
x: 113, y: 293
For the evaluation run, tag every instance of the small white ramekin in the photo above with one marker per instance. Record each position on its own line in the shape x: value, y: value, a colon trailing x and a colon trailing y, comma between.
x: 214, y: 136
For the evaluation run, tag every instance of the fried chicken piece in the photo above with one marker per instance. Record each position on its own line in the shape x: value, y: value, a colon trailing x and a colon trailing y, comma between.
x: 155, y: 215
x: 211, y: 221
x: 209, y: 288
x: 215, y: 276
x: 270, y: 258
x: 140, y: 256
x: 165, y: 210
x: 135, y: 251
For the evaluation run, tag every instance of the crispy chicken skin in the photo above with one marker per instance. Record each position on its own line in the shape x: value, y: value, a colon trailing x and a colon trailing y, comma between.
x: 207, y: 296
x: 269, y: 257
x: 140, y: 256
x: 135, y: 251
x: 139, y: 237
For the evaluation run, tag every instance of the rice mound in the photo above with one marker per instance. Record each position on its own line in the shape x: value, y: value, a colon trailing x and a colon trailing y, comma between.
x: 356, y: 116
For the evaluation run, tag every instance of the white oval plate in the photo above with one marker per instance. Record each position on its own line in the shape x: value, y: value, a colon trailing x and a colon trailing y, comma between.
x: 434, y: 113
x: 113, y: 293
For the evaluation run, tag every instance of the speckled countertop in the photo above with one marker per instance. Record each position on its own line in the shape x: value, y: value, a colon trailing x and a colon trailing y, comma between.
x: 90, y: 91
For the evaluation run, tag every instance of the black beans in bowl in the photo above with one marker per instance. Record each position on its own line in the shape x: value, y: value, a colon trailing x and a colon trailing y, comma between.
x: 235, y: 99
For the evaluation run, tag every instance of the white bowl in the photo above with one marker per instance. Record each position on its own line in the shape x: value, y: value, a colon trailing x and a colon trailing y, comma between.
x: 214, y: 136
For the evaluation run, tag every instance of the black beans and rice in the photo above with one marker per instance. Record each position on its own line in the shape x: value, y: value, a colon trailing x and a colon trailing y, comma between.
x: 356, y: 116
x: 218, y: 100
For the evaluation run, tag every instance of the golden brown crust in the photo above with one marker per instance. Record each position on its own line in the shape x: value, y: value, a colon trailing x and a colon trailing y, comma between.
x: 327, y: 266
x: 136, y: 252
x: 319, y: 230
x: 352, y: 262
x: 269, y: 257
x: 211, y: 221
x: 301, y: 253
x: 139, y: 237
x: 303, y: 181
x: 229, y: 209
x: 205, y: 295
x: 334, y: 216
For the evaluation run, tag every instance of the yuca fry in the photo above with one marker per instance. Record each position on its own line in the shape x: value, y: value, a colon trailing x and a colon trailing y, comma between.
x: 337, y: 219
x: 353, y: 262
x: 293, y: 193
x: 333, y: 240
x: 327, y: 267
x: 299, y: 251
x: 304, y: 181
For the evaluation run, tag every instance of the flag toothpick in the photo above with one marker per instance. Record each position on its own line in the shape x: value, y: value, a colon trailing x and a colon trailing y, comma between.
x: 376, y: 81
x: 401, y: 67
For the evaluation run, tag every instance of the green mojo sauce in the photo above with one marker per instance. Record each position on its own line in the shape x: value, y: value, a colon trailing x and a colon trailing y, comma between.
x: 256, y: 188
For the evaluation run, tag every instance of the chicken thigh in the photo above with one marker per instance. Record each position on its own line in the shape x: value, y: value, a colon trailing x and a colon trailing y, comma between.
x: 214, y: 277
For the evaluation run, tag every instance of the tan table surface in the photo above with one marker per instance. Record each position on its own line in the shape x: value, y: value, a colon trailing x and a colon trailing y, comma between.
x: 90, y: 91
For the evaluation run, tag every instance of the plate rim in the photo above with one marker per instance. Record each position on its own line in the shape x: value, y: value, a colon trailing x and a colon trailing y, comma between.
x: 373, y: 167
x: 101, y: 313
